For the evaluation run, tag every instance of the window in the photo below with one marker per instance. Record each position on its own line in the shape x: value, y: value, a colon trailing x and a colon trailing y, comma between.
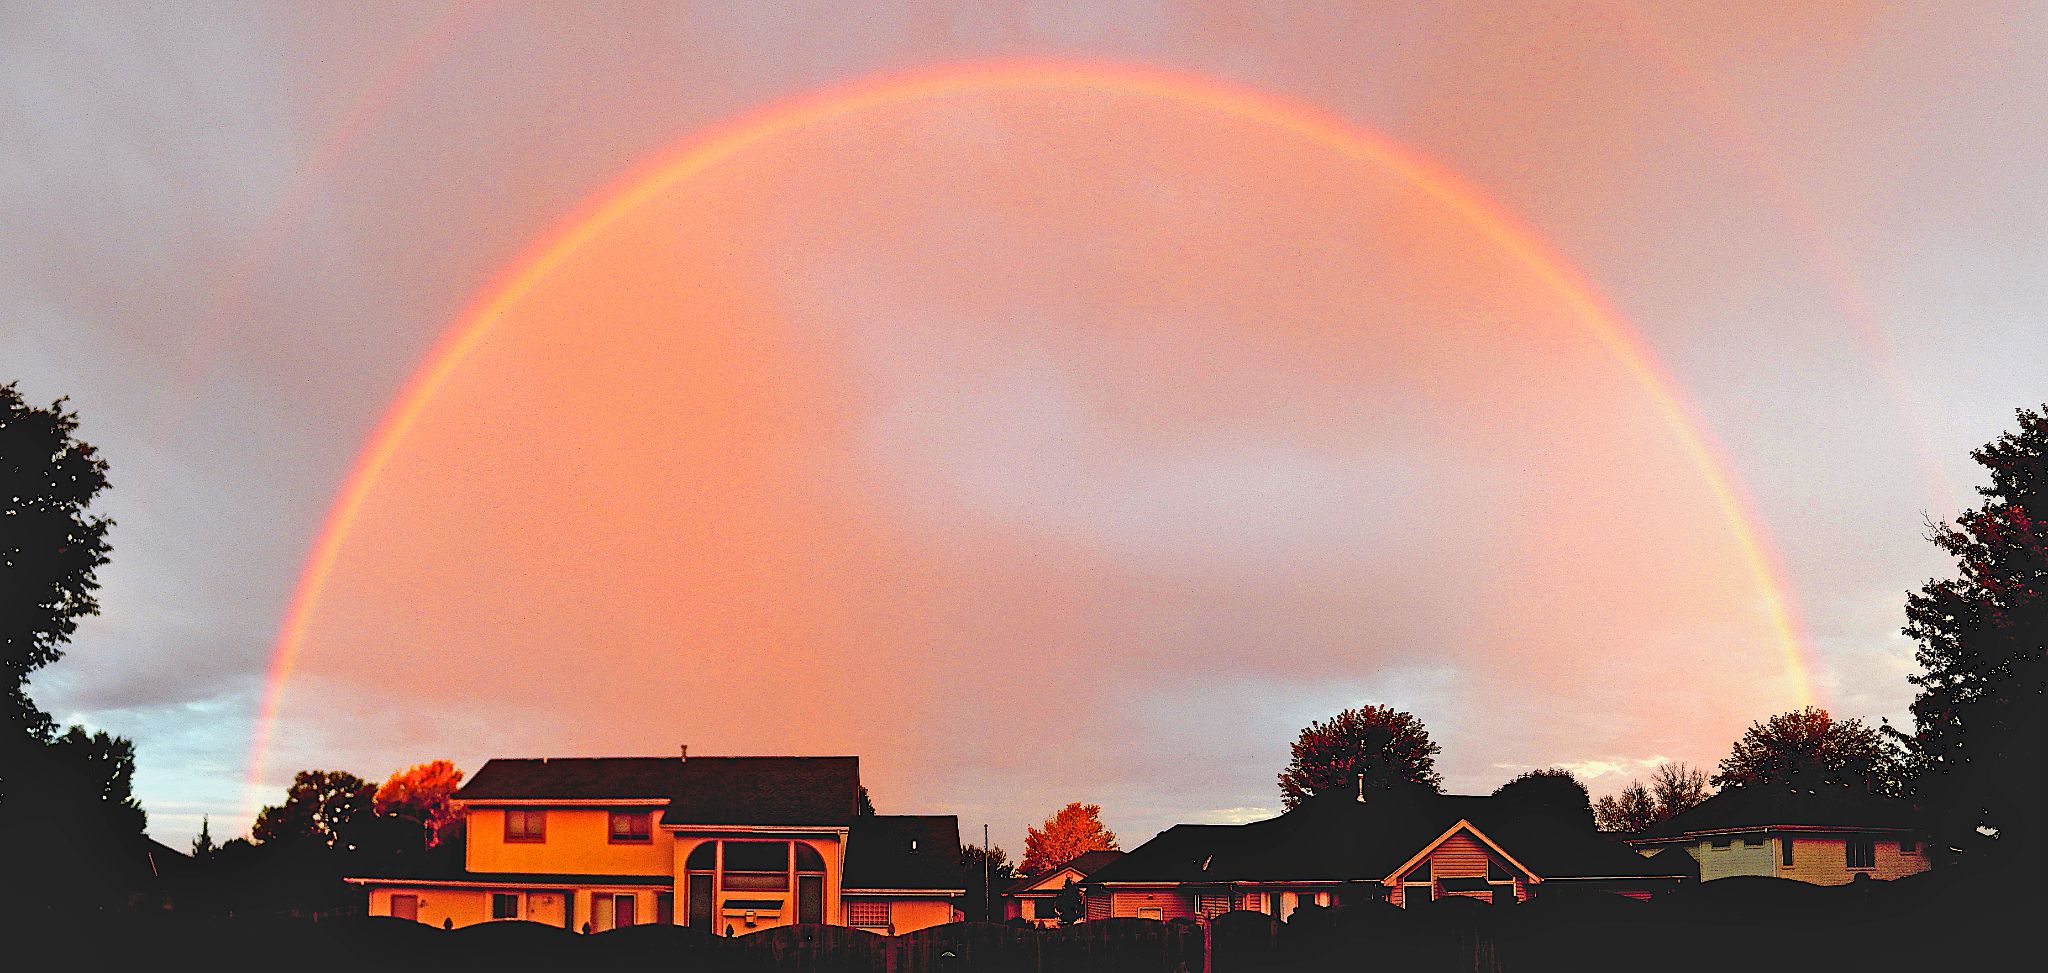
x: 504, y: 905
x: 1151, y: 912
x: 1723, y: 842
x: 405, y: 907
x: 1785, y: 850
x: 631, y: 827
x: 808, y: 859
x: 665, y: 908
x: 1417, y: 894
x: 1909, y: 847
x: 703, y: 858
x: 622, y: 909
x: 757, y: 866
x: 1211, y: 905
x: 869, y: 914
x: 1752, y: 840
x: 1862, y: 852
x: 525, y: 825
x: 1254, y: 902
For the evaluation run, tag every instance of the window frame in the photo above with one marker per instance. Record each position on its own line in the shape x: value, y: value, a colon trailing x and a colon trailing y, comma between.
x: 1785, y: 851
x: 644, y: 836
x: 857, y: 908
x: 533, y: 826
x: 504, y: 905
x: 1868, y: 847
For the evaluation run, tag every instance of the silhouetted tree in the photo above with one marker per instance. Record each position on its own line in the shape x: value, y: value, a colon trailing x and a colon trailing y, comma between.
x: 1809, y: 748
x: 981, y: 903
x: 1071, y: 832
x: 1552, y: 791
x: 320, y: 808
x: 866, y: 808
x: 1069, y: 905
x: 1678, y: 788
x: 1632, y: 812
x: 203, y: 848
x: 1388, y: 747
x: 1978, y: 721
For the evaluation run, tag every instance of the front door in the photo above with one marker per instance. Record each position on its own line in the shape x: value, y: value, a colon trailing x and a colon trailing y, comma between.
x: 700, y: 903
x: 810, y: 898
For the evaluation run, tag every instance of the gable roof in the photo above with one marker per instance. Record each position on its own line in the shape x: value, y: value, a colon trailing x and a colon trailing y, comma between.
x: 1762, y: 806
x: 815, y: 791
x: 1337, y: 839
x: 905, y: 851
x: 1083, y: 864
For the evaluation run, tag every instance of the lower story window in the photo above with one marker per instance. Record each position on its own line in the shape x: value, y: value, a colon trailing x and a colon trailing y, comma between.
x: 611, y: 910
x: 1862, y: 853
x: 504, y: 905
x: 869, y: 914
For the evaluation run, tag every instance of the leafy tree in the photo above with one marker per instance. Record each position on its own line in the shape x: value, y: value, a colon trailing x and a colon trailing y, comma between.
x: 51, y: 549
x: 1072, y: 831
x: 1552, y: 791
x: 980, y: 902
x: 1809, y: 748
x: 1388, y: 747
x: 1678, y: 788
x: 320, y: 808
x: 422, y: 794
x: 1069, y: 905
x: 1978, y: 722
x: 1633, y: 812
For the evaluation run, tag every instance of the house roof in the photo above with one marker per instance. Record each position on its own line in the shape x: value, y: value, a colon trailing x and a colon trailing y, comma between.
x: 1336, y: 839
x: 1763, y: 806
x: 819, y: 791
x: 1084, y: 864
x: 904, y: 851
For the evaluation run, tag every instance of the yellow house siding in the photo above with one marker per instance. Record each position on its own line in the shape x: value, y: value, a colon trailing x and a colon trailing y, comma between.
x: 578, y: 842
x: 1171, y: 905
x: 1736, y: 859
x: 463, y: 906
x: 1824, y: 859
x: 910, y: 915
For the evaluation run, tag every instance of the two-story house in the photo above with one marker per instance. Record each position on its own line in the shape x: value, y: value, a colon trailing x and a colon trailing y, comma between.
x: 726, y: 845
x: 1824, y: 836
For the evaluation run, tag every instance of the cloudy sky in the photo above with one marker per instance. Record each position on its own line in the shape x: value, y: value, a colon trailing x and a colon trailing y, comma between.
x: 937, y: 393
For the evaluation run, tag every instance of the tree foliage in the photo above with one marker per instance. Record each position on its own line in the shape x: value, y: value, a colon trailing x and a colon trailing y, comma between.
x: 1389, y: 748
x: 51, y: 548
x: 1072, y: 831
x: 422, y: 793
x: 1983, y: 647
x: 979, y: 904
x: 1678, y: 788
x: 1633, y: 811
x: 1809, y: 748
x: 321, y: 807
x: 1551, y: 791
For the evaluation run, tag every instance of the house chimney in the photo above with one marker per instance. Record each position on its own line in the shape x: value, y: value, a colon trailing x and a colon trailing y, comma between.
x: 686, y: 751
x: 1361, y: 788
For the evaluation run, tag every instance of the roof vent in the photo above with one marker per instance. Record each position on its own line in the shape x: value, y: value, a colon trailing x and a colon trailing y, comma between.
x: 686, y: 751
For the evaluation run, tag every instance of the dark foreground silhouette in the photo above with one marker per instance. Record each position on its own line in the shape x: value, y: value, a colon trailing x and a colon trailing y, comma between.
x: 1934, y: 921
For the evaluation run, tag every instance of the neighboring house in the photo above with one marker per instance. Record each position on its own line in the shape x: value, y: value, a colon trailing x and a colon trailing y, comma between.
x: 1832, y: 836
x: 1033, y: 899
x: 1407, y: 850
x: 726, y: 845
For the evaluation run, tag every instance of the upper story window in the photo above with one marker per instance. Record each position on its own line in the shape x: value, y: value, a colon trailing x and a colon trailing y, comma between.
x: 526, y: 824
x: 808, y: 859
x: 632, y: 827
x: 757, y: 866
x: 1909, y: 847
x: 1862, y: 852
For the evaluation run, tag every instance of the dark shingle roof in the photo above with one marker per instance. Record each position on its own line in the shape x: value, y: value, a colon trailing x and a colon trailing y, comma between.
x: 1336, y: 838
x: 573, y: 778
x: 1761, y: 806
x: 880, y: 853
x: 701, y: 790
x: 767, y: 790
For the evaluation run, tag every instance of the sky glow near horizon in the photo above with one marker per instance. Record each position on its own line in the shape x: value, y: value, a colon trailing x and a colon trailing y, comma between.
x: 1035, y: 447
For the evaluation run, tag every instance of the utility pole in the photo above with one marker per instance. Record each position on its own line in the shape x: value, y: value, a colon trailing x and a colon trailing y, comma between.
x: 988, y: 893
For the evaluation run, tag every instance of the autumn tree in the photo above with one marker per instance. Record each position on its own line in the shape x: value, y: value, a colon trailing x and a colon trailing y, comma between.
x: 422, y: 794
x: 1634, y: 811
x: 1387, y: 747
x: 1551, y: 791
x: 1978, y: 721
x: 1678, y: 788
x: 986, y: 870
x: 320, y: 808
x: 1073, y: 831
x: 1809, y: 748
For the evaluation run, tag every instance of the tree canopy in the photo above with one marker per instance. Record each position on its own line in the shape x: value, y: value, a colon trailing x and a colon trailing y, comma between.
x: 1982, y: 639
x: 1072, y: 831
x: 979, y: 901
x: 1809, y: 748
x: 320, y: 808
x: 1633, y: 811
x: 1385, y: 746
x: 1551, y: 791
x: 422, y: 794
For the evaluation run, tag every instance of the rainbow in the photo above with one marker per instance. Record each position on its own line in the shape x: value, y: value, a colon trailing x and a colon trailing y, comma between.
x: 760, y: 127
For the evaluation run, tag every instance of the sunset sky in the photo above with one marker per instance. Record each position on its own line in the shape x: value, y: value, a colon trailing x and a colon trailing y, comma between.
x: 1044, y: 402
